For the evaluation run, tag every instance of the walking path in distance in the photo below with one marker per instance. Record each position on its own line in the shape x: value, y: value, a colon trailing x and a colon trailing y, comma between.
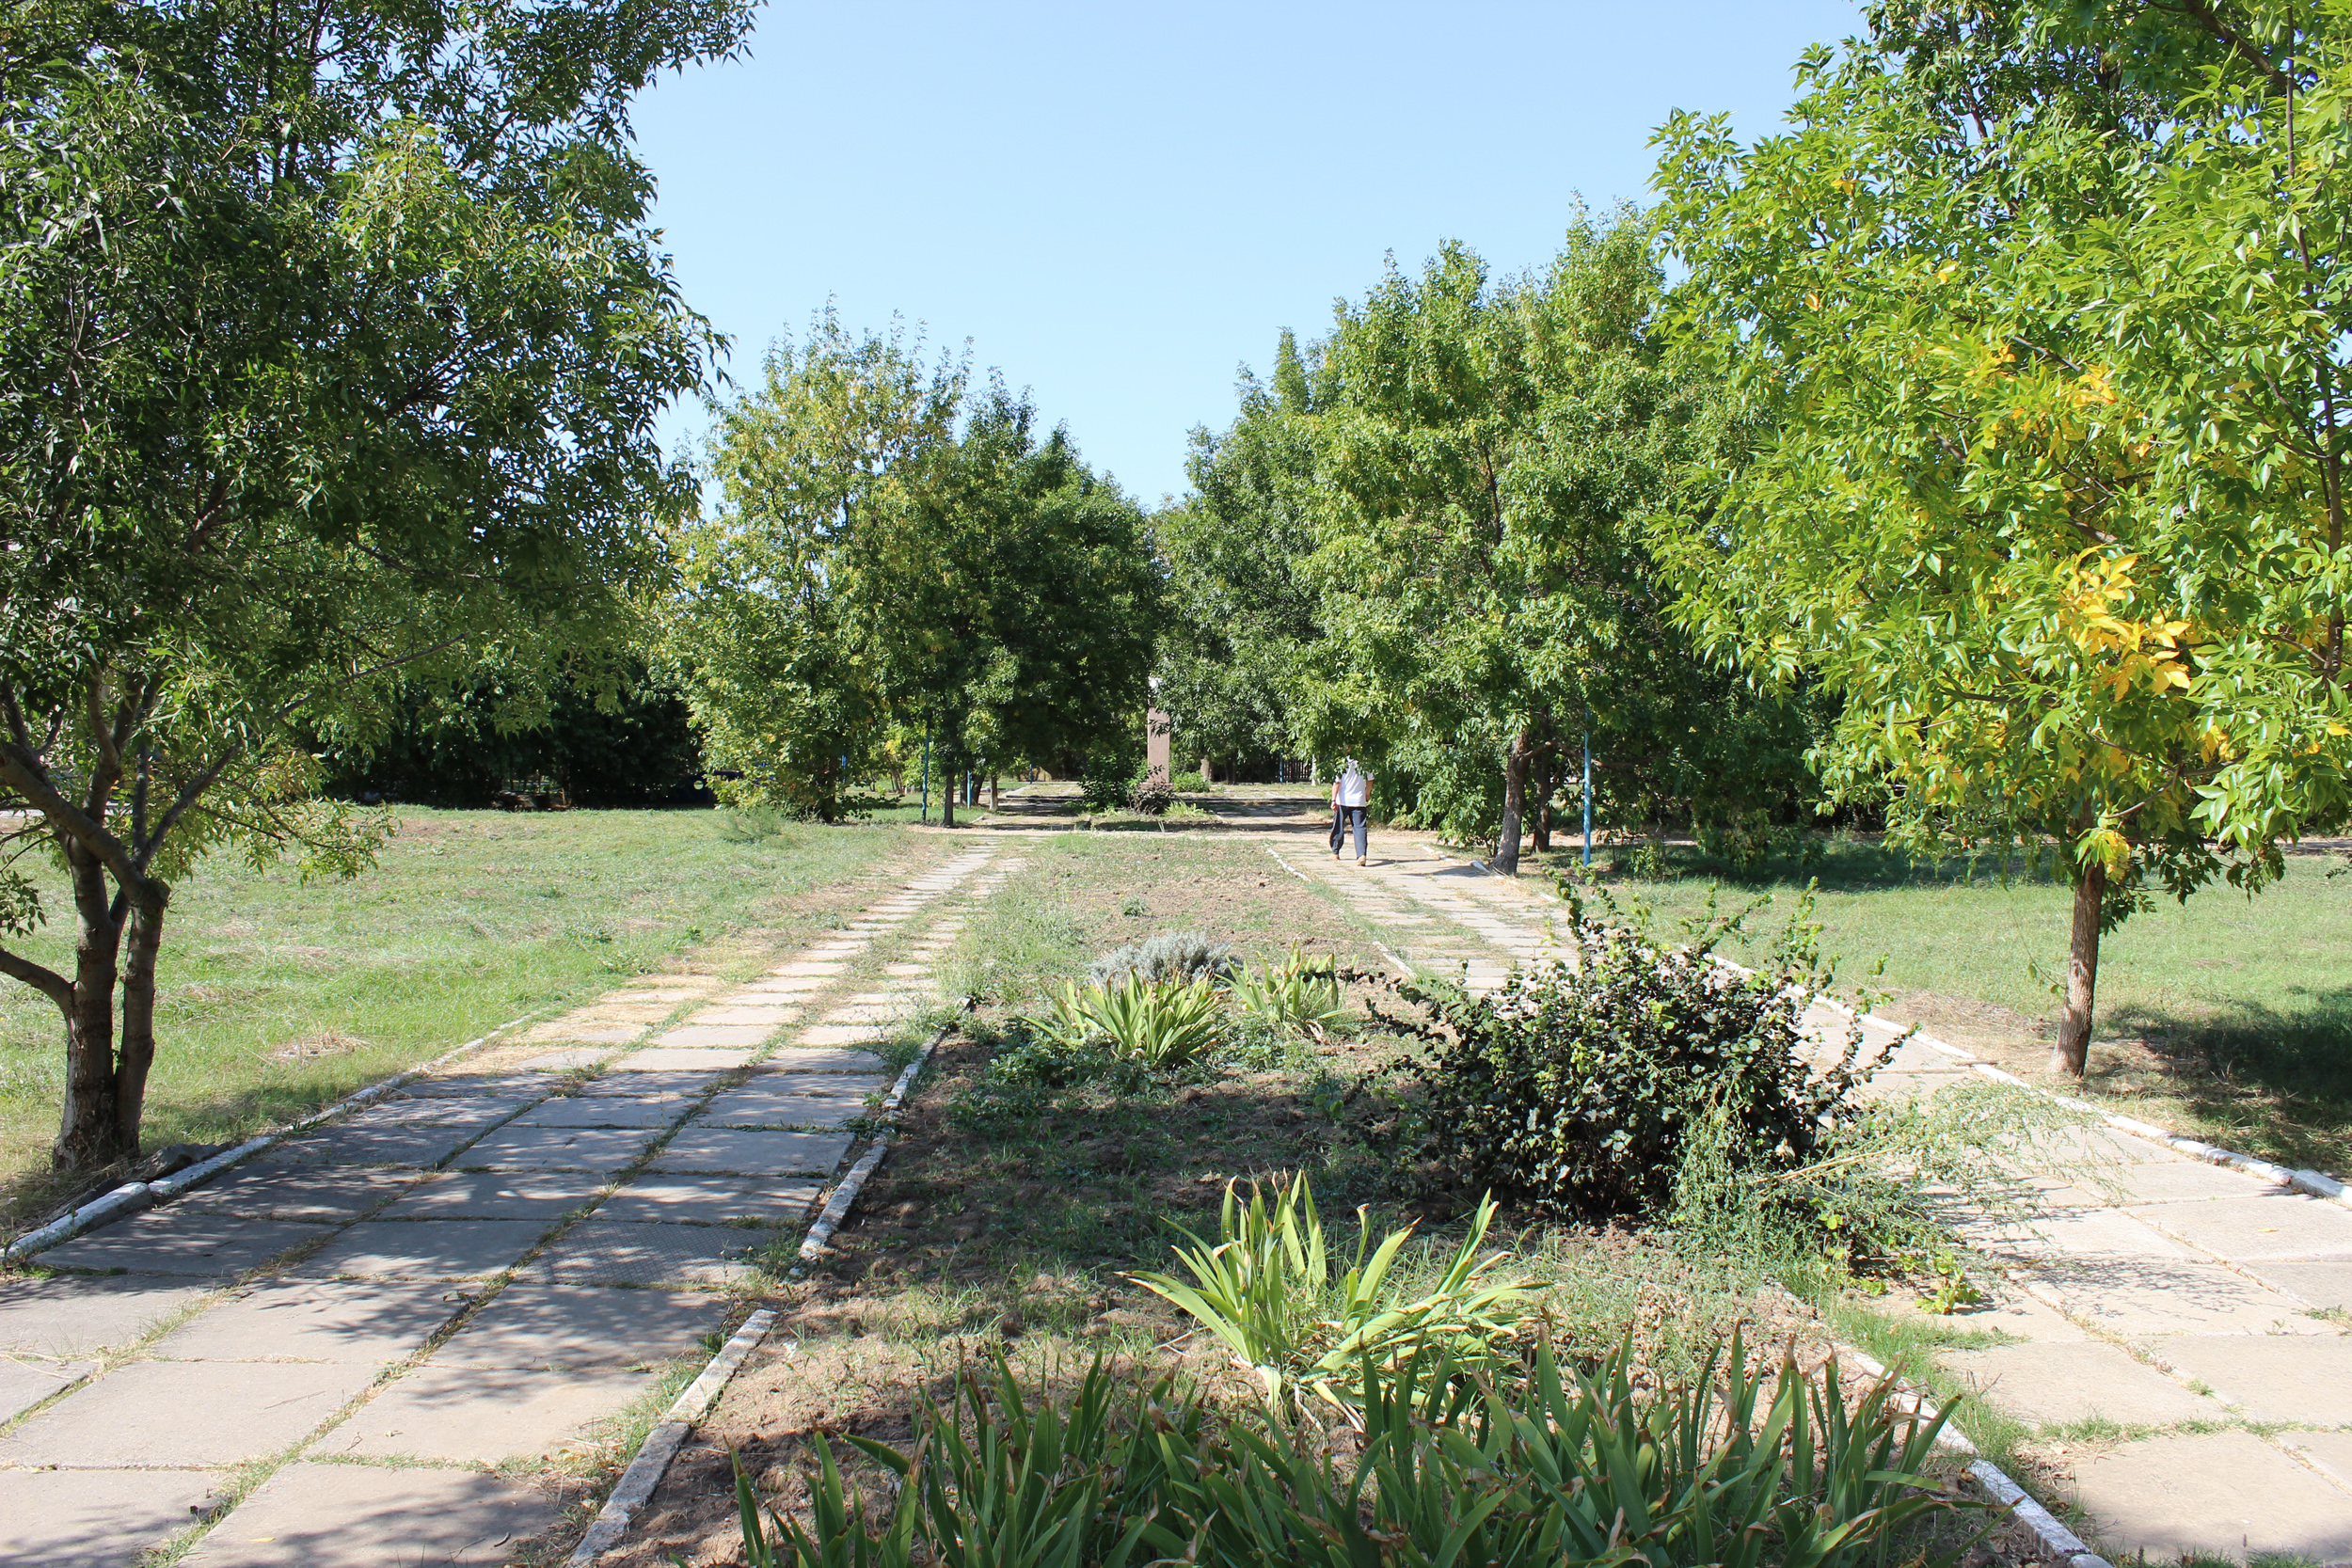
x: 2178, y: 1327
x: 379, y: 1343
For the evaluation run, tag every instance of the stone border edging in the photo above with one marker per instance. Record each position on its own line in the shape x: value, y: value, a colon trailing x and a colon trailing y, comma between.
x: 652, y: 1460
x: 2046, y: 1526
x: 136, y: 1196
x: 837, y: 1206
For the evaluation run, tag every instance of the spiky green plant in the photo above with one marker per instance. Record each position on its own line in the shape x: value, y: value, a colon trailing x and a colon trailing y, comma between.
x: 1301, y: 994
x: 1158, y: 1024
x: 1271, y: 1291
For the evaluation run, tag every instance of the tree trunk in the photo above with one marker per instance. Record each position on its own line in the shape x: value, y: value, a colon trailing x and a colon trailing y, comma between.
x: 90, y: 1131
x: 1514, y: 805
x: 144, y: 940
x: 1540, y: 831
x: 1208, y: 774
x: 994, y: 782
x: 2072, y: 1054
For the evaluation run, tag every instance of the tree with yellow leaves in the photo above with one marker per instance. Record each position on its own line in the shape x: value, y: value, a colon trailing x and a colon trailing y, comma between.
x: 2043, y: 308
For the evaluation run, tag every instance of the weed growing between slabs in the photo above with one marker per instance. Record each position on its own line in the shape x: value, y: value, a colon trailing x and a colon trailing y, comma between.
x: 280, y: 995
x: 1047, y: 1172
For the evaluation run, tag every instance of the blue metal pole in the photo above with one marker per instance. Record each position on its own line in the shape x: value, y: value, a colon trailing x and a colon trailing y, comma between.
x: 1588, y: 789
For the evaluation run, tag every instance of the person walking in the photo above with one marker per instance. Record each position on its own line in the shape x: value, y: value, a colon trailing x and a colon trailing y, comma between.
x: 1351, y: 804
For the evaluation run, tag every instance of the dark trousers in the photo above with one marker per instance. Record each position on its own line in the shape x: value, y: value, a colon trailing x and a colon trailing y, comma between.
x: 1344, y: 818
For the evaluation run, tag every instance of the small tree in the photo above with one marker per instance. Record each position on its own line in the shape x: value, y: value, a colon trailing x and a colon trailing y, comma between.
x: 2042, y: 313
x: 331, y: 348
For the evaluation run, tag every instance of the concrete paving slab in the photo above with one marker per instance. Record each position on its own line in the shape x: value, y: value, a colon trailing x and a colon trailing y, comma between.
x: 71, y: 1315
x: 2225, y: 1494
x: 2011, y: 1312
x: 876, y: 1017
x: 482, y: 1415
x: 2304, y: 1379
x: 542, y: 1195
x: 2058, y: 1383
x: 604, y: 1110
x: 813, y: 967
x: 95, y: 1518
x: 712, y: 1199
x: 28, y: 1379
x: 2092, y: 1233
x: 582, y: 1031
x: 367, y: 1516
x: 474, y: 1085
x: 597, y: 1252
x: 742, y: 1013
x: 715, y: 1037
x: 2274, y: 1227
x: 795, y: 1101
x: 268, y: 1192
x: 529, y: 1326
x: 638, y: 1010
x: 588, y: 1149
x: 364, y: 1324
x: 642, y: 1075
x: 2141, y: 1297
x: 684, y: 984
x: 173, y: 1240
x: 746, y: 1152
x: 824, y: 1034
x: 2328, y: 1452
x: 2172, y: 1180
x: 781, y: 988
x: 409, y: 1148
x: 685, y: 1059
x: 183, y: 1414
x: 564, y: 1061
x: 423, y: 1249
x: 431, y: 1111
x: 2321, y: 1285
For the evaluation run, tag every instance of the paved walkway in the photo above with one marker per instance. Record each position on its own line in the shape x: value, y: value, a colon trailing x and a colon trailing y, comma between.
x: 2177, y: 1328
x: 391, y: 1339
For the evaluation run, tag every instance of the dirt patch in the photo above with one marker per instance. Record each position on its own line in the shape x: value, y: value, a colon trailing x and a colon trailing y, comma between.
x: 326, y: 1042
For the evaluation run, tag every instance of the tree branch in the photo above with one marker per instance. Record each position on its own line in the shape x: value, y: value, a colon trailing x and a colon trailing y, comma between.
x: 47, y: 981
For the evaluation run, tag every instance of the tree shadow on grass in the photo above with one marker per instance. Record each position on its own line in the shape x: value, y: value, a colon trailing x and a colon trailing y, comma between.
x: 2281, y: 1076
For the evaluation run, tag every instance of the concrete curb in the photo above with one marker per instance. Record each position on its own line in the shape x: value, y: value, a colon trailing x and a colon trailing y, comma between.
x: 845, y: 1195
x: 135, y: 1196
x: 652, y: 1460
x: 2053, y: 1534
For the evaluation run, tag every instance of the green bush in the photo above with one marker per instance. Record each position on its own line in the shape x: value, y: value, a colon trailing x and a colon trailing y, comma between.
x: 1301, y: 995
x: 1157, y: 1024
x: 1188, y: 784
x: 1150, y: 796
x: 1170, y: 955
x: 1576, y: 1090
x: 1109, y: 775
x: 1552, y: 1468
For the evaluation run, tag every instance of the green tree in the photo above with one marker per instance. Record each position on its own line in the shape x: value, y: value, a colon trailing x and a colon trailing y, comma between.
x: 766, y: 637
x: 2043, y: 311
x: 1486, y: 452
x: 1240, y: 610
x: 895, y: 557
x: 331, y: 343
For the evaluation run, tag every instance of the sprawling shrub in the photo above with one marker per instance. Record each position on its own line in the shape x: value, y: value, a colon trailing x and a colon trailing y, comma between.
x: 1577, y: 1088
x: 1170, y: 955
x: 1151, y: 796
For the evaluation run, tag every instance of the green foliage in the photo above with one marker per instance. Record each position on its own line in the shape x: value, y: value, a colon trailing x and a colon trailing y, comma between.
x: 896, y: 556
x: 368, y: 331
x: 1150, y: 798
x: 1158, y: 1024
x: 1301, y: 995
x: 1548, y: 1468
x: 1110, y: 770
x: 2036, y: 318
x: 1188, y: 784
x: 1579, y: 1089
x: 1270, y: 1292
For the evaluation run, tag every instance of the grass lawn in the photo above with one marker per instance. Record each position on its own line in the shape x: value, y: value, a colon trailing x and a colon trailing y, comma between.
x: 2225, y: 1018
x: 276, y: 996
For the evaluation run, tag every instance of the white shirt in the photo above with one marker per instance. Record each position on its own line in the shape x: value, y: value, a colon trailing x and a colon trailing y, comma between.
x: 1355, y: 789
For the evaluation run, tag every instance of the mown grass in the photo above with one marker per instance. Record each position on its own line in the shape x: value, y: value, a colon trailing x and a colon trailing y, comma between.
x: 2226, y: 1016
x: 278, y: 995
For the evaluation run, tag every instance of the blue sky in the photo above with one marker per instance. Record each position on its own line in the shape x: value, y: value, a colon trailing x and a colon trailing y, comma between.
x: 1120, y: 204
